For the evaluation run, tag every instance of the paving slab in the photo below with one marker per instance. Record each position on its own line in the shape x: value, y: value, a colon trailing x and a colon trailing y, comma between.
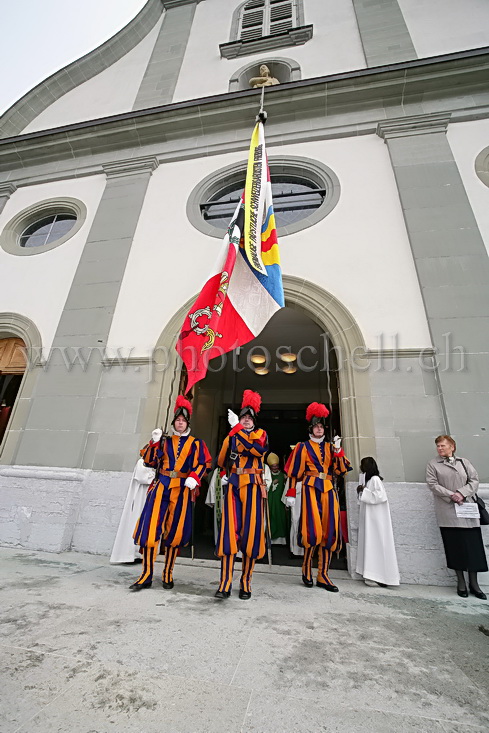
x: 81, y: 653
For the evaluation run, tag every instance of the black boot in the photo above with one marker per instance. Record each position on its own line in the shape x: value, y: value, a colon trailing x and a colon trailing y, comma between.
x: 141, y: 586
x: 308, y: 583
x: 325, y: 586
x: 167, y: 586
x: 244, y: 595
x: 222, y: 594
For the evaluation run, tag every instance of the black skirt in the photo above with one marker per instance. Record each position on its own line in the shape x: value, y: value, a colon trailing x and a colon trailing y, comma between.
x: 464, y: 549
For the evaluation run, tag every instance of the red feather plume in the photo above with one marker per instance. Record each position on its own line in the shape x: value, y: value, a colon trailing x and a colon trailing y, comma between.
x: 316, y: 409
x: 251, y: 399
x: 183, y: 402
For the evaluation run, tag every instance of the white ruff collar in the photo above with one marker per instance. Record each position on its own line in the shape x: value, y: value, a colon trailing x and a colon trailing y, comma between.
x: 181, y: 435
x: 316, y: 440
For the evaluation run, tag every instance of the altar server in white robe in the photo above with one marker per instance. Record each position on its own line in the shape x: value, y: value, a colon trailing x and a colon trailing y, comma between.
x: 376, y: 558
x: 124, y: 549
x: 295, y: 516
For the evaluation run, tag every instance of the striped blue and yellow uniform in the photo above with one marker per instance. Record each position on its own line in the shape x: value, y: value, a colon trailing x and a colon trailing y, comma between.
x: 243, y: 516
x: 167, y: 512
x: 315, y: 465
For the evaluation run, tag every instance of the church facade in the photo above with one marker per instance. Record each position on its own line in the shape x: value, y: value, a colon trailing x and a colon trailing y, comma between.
x: 117, y: 176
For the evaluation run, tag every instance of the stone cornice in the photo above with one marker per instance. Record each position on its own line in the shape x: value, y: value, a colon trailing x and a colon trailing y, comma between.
x: 7, y: 189
x: 427, y: 351
x: 168, y: 4
x: 340, y: 105
x: 131, y: 166
x: 416, y: 125
x: 291, y: 37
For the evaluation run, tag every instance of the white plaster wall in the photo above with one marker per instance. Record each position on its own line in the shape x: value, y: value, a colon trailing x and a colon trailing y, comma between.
x: 111, y: 92
x: 36, y: 286
x: 360, y: 252
x: 445, y: 26
x: 467, y: 139
x: 335, y: 46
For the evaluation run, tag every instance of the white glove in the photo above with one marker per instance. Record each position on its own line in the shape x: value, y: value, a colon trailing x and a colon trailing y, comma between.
x: 190, y: 482
x: 290, y: 501
x: 233, y: 419
x: 156, y: 435
x: 337, y: 443
x: 224, y: 480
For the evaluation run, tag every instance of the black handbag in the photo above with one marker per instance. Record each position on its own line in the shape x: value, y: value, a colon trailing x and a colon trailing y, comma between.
x: 483, y: 513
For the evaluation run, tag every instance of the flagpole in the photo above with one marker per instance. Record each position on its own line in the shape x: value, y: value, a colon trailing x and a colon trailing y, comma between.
x: 262, y: 116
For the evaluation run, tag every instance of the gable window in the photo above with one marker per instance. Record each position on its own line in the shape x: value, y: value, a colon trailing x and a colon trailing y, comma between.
x: 266, y: 18
x: 261, y: 25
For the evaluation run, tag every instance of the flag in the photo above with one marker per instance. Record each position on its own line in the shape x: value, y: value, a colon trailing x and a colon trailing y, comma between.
x: 245, y: 287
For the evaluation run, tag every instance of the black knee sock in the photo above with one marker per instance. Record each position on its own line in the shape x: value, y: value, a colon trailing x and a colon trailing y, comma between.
x: 473, y: 581
x: 461, y: 580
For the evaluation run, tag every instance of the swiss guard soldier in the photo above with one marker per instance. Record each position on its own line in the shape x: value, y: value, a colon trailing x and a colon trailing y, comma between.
x: 315, y: 463
x: 241, y: 460
x: 180, y: 461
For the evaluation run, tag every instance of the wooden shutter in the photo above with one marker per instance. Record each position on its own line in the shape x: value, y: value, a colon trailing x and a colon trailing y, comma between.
x: 252, y: 20
x: 281, y: 16
x: 267, y: 18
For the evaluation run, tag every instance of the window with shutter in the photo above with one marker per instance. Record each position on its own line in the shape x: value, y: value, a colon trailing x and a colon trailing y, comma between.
x: 264, y: 25
x: 266, y: 18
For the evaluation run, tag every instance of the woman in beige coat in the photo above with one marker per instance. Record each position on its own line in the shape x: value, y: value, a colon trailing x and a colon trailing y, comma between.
x: 454, y: 481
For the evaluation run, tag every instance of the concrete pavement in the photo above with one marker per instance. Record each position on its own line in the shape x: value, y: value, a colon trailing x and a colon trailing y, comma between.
x: 83, y: 654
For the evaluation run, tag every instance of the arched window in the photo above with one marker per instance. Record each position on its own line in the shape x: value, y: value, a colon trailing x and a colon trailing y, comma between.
x: 261, y: 25
x: 267, y: 18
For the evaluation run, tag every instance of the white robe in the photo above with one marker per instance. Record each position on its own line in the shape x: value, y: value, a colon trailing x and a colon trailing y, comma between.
x: 124, y: 549
x: 295, y: 516
x: 376, y: 557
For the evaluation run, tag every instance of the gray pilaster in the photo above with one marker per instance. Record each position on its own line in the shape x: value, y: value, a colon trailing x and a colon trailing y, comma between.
x: 161, y: 75
x: 6, y: 190
x: 62, y: 406
x: 383, y: 31
x: 453, y: 271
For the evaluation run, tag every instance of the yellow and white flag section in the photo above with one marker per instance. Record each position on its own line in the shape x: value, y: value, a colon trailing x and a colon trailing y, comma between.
x: 245, y: 287
x: 258, y: 192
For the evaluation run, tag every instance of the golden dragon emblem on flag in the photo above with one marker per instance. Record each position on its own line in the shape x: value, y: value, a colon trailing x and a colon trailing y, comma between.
x: 206, y: 330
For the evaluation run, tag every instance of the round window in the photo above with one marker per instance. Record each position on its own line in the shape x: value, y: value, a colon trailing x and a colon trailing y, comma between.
x: 304, y: 192
x: 294, y: 199
x: 43, y: 226
x: 47, y: 230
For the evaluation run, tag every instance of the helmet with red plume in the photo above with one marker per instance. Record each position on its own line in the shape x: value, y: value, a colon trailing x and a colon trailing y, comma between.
x: 183, y: 408
x: 251, y: 404
x: 316, y: 413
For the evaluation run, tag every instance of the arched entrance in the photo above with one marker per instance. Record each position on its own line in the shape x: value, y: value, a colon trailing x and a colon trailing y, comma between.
x: 20, y: 352
x: 345, y: 385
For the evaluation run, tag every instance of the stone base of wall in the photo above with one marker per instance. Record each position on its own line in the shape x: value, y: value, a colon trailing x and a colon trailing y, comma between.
x: 58, y: 509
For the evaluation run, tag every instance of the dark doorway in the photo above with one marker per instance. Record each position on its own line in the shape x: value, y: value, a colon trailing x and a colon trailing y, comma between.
x: 285, y: 396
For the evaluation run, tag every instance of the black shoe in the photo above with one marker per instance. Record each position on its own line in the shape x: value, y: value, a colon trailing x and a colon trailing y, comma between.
x: 477, y: 593
x: 308, y: 583
x: 331, y: 588
x: 463, y: 593
x: 382, y: 585
x: 167, y: 586
x: 222, y: 594
x: 141, y: 586
x: 244, y: 595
